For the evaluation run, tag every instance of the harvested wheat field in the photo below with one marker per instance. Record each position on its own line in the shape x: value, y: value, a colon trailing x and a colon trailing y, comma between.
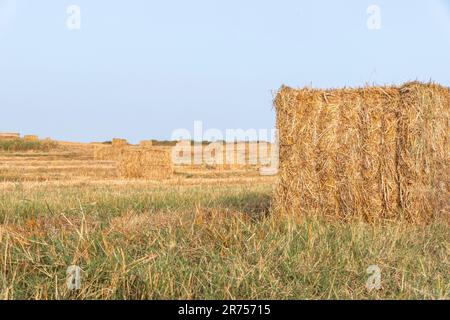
x: 363, y: 181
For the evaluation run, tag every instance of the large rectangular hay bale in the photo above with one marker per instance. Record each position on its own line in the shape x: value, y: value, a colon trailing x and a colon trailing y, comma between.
x: 154, y: 164
x: 375, y: 152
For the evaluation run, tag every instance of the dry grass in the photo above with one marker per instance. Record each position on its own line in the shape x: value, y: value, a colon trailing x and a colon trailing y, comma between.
x: 135, y: 240
x: 376, y: 152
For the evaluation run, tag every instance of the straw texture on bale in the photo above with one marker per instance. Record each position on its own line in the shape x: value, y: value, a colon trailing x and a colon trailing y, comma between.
x: 375, y: 152
x: 30, y: 137
x: 153, y: 164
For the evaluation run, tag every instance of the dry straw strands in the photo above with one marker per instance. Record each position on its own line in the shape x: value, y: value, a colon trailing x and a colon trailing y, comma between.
x: 153, y: 164
x: 375, y: 152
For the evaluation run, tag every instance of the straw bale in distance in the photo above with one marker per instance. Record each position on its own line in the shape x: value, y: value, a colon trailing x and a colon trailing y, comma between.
x: 30, y: 137
x: 117, y: 142
x: 146, y: 143
x: 9, y: 136
x: 154, y: 164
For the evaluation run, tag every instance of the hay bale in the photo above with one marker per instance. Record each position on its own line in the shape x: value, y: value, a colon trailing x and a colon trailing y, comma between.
x: 9, y: 136
x: 359, y: 152
x: 155, y: 164
x: 117, y: 142
x: 30, y: 137
x: 146, y: 144
x: 424, y: 155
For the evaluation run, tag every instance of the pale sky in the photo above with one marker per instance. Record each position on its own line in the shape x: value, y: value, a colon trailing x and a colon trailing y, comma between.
x: 140, y: 69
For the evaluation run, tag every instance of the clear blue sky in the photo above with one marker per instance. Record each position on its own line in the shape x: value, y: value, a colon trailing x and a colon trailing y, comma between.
x: 140, y: 69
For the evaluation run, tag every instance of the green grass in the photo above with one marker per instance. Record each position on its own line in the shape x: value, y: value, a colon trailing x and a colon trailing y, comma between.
x: 22, y: 145
x: 215, y: 242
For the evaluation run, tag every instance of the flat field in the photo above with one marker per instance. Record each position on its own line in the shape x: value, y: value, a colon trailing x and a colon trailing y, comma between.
x: 203, y: 234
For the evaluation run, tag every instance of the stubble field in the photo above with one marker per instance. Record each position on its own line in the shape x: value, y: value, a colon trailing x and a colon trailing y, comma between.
x: 202, y: 234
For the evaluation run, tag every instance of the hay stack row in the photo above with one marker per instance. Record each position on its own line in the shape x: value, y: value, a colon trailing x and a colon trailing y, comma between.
x: 9, y: 136
x: 219, y: 155
x: 16, y: 136
x: 154, y: 164
x: 376, y: 152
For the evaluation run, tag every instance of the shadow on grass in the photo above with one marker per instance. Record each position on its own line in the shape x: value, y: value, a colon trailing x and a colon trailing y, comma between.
x: 252, y: 203
x: 255, y: 204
